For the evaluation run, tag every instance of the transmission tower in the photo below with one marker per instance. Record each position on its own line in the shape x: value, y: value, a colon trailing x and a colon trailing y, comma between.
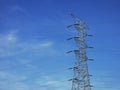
x: 81, y: 77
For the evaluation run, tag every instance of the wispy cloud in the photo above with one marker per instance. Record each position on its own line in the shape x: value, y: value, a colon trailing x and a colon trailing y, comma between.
x: 10, y: 45
x: 10, y: 81
x: 21, y: 52
x: 10, y: 37
x: 51, y: 82
x: 46, y: 44
x: 7, y: 43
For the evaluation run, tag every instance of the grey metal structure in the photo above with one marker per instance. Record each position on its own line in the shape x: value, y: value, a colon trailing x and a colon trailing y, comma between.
x: 81, y: 77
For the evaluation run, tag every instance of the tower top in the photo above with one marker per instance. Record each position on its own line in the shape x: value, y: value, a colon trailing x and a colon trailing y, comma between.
x: 79, y: 22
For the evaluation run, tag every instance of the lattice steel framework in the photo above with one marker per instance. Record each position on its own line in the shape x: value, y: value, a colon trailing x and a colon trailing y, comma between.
x: 81, y: 77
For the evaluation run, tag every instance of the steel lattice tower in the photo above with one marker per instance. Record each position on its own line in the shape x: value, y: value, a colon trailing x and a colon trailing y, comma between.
x: 81, y: 77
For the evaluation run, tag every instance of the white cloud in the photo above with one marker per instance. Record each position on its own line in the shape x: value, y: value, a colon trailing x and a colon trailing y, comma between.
x: 15, y: 52
x: 46, y: 44
x: 7, y: 43
x: 53, y: 83
x: 10, y: 45
x: 12, y: 77
x: 11, y: 81
x: 10, y: 37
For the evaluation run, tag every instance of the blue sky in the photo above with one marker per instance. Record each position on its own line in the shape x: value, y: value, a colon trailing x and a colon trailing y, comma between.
x: 33, y: 43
